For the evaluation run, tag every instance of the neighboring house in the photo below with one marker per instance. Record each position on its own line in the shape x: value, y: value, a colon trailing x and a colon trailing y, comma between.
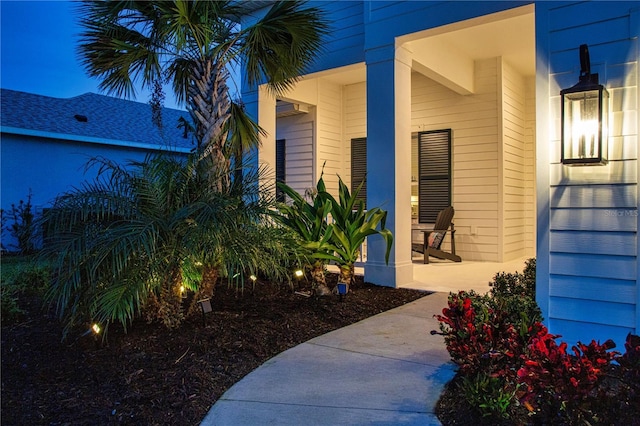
x: 451, y: 102
x: 45, y: 142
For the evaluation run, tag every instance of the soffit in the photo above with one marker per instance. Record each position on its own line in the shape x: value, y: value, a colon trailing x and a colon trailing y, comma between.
x: 510, y: 35
x: 513, y: 39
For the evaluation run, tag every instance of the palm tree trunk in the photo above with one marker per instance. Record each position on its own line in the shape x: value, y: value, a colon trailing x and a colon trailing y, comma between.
x: 206, y: 289
x: 209, y: 105
x: 170, y: 309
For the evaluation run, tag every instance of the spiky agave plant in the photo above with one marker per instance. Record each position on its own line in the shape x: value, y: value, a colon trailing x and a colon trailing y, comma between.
x: 308, y: 220
x: 351, y: 225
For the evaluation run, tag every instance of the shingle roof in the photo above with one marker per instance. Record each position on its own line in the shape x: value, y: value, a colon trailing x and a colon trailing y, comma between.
x: 108, y: 119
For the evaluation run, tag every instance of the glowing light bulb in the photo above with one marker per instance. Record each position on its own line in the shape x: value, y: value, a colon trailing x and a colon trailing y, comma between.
x: 299, y: 273
x: 96, y: 328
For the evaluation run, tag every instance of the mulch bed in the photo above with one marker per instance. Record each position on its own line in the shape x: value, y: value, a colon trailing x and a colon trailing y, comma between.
x: 152, y: 376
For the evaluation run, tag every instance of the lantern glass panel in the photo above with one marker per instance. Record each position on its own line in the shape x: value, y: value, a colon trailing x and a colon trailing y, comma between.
x: 604, y: 125
x: 582, y: 129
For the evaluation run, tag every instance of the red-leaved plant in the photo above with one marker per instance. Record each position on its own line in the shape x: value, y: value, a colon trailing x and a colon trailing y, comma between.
x: 508, y: 360
x: 479, y: 339
x: 553, y: 375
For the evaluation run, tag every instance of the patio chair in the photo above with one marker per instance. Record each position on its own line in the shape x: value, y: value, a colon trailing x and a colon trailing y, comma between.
x: 433, y: 239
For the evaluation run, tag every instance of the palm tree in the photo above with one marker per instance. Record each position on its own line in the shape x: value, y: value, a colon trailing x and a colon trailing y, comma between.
x: 127, y: 244
x: 191, y: 44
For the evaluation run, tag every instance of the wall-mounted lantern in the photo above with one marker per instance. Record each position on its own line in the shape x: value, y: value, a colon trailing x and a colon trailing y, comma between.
x: 585, y: 118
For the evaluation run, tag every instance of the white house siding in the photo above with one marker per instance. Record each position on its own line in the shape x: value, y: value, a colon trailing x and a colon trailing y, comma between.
x: 355, y: 121
x: 298, y: 132
x: 592, y: 212
x: 474, y: 123
x: 513, y: 112
x: 530, y: 167
x: 329, y: 136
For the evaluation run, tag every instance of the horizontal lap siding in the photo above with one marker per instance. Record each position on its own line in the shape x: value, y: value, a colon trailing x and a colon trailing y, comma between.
x: 330, y: 134
x: 344, y: 44
x: 297, y: 131
x: 593, y: 211
x: 407, y: 17
x: 530, y: 167
x: 355, y: 111
x: 474, y: 123
x: 513, y: 163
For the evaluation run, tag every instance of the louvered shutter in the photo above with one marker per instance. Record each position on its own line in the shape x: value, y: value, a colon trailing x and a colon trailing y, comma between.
x: 359, y: 167
x: 280, y: 167
x: 434, y: 165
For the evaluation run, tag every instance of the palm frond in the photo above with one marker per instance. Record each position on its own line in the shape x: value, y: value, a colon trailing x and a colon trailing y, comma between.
x: 244, y: 133
x: 280, y: 46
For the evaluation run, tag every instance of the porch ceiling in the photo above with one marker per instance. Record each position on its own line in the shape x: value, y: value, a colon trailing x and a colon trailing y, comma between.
x: 510, y: 34
x: 513, y: 38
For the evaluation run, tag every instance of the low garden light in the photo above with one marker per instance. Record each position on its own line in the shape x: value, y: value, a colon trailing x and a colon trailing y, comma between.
x: 342, y: 288
x: 585, y: 118
x: 298, y: 273
x: 95, y: 329
x: 205, y: 306
x: 253, y: 278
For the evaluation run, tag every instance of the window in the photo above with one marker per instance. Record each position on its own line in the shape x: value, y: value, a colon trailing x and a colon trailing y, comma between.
x: 281, y: 175
x: 434, y: 168
x: 359, y: 167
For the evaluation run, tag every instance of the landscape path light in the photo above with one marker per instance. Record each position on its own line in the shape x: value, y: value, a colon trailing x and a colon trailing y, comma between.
x: 205, y: 306
x: 343, y: 288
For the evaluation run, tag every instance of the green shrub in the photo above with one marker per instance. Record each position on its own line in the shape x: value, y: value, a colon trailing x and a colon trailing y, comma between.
x: 21, y: 278
x: 9, y: 304
x: 513, y: 298
x: 33, y: 280
x: 488, y: 395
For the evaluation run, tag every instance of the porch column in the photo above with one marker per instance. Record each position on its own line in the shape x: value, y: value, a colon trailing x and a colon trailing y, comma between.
x: 267, y: 120
x: 389, y: 161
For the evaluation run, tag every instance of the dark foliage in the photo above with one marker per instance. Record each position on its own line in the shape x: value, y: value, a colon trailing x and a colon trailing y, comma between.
x: 21, y: 226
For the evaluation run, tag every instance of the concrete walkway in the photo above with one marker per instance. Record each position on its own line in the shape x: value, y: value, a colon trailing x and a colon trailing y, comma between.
x: 385, y: 370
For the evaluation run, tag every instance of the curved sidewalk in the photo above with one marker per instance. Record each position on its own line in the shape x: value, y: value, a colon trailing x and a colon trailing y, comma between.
x: 385, y: 370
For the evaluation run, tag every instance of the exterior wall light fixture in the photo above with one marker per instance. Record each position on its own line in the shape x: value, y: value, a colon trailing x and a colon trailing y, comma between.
x: 585, y: 118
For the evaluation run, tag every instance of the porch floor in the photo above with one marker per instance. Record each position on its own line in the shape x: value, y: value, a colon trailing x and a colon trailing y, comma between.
x: 446, y: 276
